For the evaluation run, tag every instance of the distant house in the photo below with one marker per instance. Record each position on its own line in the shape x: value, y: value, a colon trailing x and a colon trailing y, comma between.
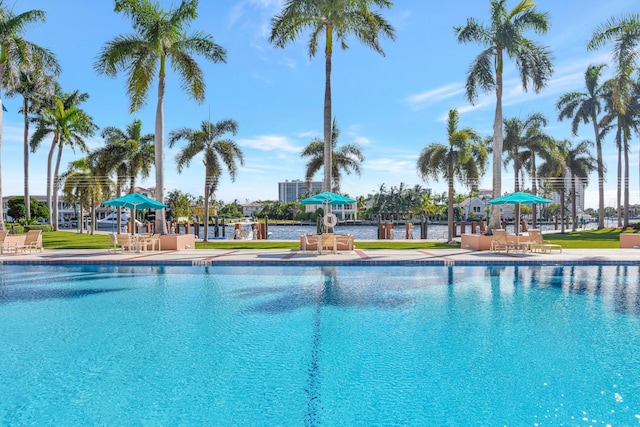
x: 473, y: 206
x: 250, y: 209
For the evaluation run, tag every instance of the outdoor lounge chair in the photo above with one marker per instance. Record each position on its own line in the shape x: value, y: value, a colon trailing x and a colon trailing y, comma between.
x: 32, y: 242
x: 538, y: 244
x: 500, y: 242
x: 128, y: 242
x: 344, y: 242
x: 328, y: 242
x: 309, y: 242
x: 4, y: 246
x: 115, y: 247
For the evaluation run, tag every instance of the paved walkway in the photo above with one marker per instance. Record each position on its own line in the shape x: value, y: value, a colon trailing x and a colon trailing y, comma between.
x: 294, y: 257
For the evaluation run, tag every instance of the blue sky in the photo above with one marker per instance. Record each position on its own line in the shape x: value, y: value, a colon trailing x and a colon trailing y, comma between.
x: 393, y: 106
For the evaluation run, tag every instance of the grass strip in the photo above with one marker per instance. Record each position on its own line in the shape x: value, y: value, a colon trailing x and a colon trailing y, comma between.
x: 606, y: 238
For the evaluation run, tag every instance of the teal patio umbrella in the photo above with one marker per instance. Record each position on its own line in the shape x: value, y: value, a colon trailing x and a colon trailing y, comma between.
x: 520, y: 198
x: 327, y: 198
x: 134, y: 201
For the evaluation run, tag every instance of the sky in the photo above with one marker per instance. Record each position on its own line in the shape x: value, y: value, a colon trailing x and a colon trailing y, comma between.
x: 392, y: 105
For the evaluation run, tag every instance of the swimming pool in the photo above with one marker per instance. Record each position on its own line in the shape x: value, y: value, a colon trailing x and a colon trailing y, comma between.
x: 320, y: 346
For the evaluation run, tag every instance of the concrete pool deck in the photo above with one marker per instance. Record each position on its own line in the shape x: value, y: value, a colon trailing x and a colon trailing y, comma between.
x: 211, y: 257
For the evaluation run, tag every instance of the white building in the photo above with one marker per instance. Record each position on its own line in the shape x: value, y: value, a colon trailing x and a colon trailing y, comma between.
x: 291, y: 191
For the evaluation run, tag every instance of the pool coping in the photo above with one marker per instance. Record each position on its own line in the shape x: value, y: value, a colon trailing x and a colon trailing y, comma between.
x: 373, y: 257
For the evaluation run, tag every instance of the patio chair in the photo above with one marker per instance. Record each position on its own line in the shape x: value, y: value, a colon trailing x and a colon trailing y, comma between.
x: 32, y: 242
x: 128, y: 242
x: 115, y: 247
x: 328, y: 242
x: 309, y: 242
x: 344, y: 242
x: 538, y: 244
x: 500, y: 242
x: 4, y: 245
x: 148, y: 242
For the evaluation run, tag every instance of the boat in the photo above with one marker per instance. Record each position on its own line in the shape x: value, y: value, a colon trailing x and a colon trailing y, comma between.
x: 110, y: 222
x: 246, y: 230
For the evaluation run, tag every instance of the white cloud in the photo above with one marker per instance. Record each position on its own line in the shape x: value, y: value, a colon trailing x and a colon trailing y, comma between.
x: 391, y: 165
x: 270, y: 143
x: 422, y: 100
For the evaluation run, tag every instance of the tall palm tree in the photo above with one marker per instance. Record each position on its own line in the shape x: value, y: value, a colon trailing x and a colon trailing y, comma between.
x: 579, y: 163
x: 36, y: 88
x: 624, y: 34
x: 159, y: 36
x: 518, y: 134
x: 537, y: 145
x: 334, y: 19
x: 216, y: 152
x: 625, y: 119
x: 464, y: 158
x: 347, y: 158
x: 68, y: 125
x: 127, y: 153
x: 505, y: 36
x: 585, y: 107
x: 16, y: 52
x: 551, y: 174
x: 84, y: 185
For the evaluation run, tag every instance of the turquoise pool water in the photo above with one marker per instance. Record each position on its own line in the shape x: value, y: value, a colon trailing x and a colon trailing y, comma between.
x: 320, y: 346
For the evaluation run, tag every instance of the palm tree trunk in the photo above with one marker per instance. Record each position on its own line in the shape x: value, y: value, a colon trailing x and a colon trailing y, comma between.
x: 80, y: 220
x: 494, y: 221
x: 52, y: 150
x: 27, y: 198
x: 534, y: 190
x: 573, y: 203
x: 516, y: 187
x: 2, y: 68
x: 562, y: 209
x: 93, y: 217
x: 626, y: 182
x: 56, y: 184
x: 600, y: 160
x: 326, y: 184
x: 619, y: 194
x: 206, y: 211
x: 161, y: 225
x: 450, y: 212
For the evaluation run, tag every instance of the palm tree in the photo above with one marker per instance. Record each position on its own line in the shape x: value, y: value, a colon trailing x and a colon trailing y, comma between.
x: 585, y: 107
x: 335, y: 19
x: 16, y: 52
x: 625, y: 119
x: 84, y: 185
x: 464, y: 158
x: 518, y: 135
x: 624, y: 34
x: 538, y: 145
x: 216, y: 152
x: 579, y: 163
x: 505, y: 35
x: 159, y: 36
x: 128, y: 153
x: 36, y: 88
x: 552, y: 174
x: 68, y: 125
x: 348, y: 158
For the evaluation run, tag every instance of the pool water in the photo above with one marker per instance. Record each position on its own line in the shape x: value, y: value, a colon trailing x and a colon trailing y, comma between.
x: 320, y: 346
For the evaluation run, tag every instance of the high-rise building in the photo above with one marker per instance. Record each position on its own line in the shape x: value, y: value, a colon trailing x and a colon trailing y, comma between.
x: 291, y: 191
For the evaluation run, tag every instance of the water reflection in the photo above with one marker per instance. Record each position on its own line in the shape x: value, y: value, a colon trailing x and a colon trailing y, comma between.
x: 617, y: 286
x: 331, y: 289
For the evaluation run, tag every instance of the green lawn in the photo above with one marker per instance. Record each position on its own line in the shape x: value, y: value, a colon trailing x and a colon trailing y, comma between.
x: 592, y: 239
